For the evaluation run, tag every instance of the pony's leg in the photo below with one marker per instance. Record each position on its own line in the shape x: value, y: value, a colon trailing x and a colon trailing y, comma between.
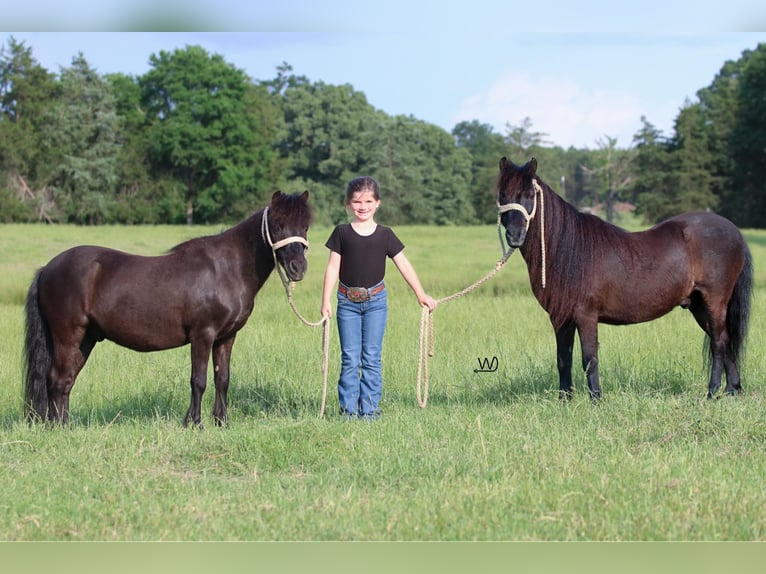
x: 68, y: 361
x: 588, y: 331
x: 221, y: 360
x: 564, y: 342
x: 715, y: 328
x: 717, y: 352
x: 727, y: 351
x: 61, y: 378
x: 733, y: 385
x: 737, y: 317
x: 200, y: 357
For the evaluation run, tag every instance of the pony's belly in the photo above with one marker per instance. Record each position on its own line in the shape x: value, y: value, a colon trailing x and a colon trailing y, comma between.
x: 146, y: 346
x: 144, y: 335
x: 630, y: 314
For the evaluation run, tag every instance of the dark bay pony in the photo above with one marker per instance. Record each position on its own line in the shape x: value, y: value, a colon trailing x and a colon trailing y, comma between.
x: 585, y: 271
x: 200, y: 293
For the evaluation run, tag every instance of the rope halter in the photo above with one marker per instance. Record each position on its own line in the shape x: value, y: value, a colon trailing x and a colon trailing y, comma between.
x: 282, y: 242
x: 288, y: 285
x: 504, y: 208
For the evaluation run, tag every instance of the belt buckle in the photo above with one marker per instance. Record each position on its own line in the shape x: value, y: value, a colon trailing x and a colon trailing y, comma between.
x: 357, y: 294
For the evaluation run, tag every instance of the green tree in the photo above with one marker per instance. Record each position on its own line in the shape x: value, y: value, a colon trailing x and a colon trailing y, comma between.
x: 26, y: 91
x: 485, y: 147
x: 81, y: 143
x: 522, y: 138
x: 326, y: 141
x: 141, y: 197
x: 333, y: 134
x: 611, y: 169
x: 748, y: 144
x: 654, y: 181
x: 426, y: 178
x: 719, y: 108
x: 578, y: 186
x: 693, y: 163
x: 561, y: 169
x: 399, y: 172
x: 210, y: 129
x: 716, y: 143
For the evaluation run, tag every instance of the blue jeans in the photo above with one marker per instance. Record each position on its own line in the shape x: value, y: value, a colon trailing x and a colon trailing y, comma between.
x: 361, y: 327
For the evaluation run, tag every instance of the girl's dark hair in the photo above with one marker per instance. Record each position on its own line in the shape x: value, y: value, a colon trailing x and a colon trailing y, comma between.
x: 362, y: 183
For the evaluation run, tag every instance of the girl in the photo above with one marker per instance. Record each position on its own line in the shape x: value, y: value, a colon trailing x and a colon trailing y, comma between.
x: 358, y: 252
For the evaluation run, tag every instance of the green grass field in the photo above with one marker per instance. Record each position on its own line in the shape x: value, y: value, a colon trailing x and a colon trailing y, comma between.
x: 493, y: 456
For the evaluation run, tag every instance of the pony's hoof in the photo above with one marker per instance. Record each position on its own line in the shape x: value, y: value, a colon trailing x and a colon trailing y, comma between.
x: 195, y: 424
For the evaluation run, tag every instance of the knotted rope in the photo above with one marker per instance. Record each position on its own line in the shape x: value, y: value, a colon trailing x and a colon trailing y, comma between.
x: 288, y: 286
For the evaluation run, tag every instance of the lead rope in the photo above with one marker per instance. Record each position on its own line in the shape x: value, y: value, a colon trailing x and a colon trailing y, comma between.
x: 325, y: 323
x: 288, y: 286
x: 427, y: 330
x: 426, y: 317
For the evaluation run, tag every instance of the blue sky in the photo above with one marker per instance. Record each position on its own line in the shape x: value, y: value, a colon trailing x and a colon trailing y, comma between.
x: 581, y: 71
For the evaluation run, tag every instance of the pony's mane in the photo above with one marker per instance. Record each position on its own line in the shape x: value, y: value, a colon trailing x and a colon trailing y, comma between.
x: 574, y: 242
x: 190, y: 243
x: 284, y: 210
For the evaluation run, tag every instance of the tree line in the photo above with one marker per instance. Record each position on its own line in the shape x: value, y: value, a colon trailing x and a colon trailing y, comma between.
x: 195, y: 140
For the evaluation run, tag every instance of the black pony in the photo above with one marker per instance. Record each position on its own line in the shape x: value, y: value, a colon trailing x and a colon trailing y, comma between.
x: 200, y: 293
x: 585, y: 271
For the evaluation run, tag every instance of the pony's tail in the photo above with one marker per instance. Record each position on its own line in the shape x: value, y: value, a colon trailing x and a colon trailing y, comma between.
x: 37, y: 356
x: 738, y: 312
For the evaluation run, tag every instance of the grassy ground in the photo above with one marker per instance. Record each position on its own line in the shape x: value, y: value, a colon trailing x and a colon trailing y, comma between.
x: 494, y: 456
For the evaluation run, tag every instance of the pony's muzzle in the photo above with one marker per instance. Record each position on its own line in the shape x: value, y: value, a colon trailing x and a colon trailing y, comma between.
x: 515, y: 218
x: 291, y: 253
x: 296, y: 268
x: 515, y: 237
x: 515, y: 231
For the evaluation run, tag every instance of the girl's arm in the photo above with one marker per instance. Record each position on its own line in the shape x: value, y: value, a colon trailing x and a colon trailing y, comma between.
x: 331, y: 273
x: 411, y: 277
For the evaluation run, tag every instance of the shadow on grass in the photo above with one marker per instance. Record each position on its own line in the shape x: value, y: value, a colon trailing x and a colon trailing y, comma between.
x: 506, y: 389
x: 272, y: 399
x: 107, y: 414
x: 258, y: 399
x: 264, y: 399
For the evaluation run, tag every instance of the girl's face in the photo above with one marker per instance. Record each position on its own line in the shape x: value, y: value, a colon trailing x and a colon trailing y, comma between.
x: 363, y: 205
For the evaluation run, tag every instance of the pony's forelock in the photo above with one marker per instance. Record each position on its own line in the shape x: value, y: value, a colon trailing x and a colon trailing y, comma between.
x: 293, y: 208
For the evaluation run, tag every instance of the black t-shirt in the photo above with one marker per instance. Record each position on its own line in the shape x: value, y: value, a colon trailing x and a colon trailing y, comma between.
x: 363, y: 257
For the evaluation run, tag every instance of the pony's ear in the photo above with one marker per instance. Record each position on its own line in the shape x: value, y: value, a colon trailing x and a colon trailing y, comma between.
x: 275, y: 196
x: 305, y: 195
x: 531, y: 167
x: 503, y: 162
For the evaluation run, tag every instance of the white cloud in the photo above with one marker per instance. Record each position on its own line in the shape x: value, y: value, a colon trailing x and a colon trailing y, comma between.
x: 567, y: 113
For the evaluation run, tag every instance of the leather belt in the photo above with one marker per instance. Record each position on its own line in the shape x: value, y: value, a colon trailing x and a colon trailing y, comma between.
x: 360, y: 294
